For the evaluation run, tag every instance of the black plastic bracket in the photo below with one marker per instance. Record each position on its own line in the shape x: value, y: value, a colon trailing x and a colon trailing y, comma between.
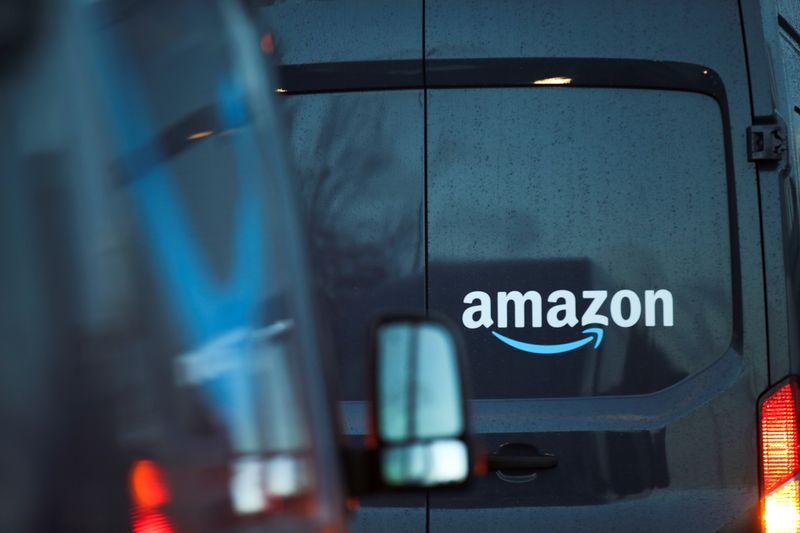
x: 766, y: 142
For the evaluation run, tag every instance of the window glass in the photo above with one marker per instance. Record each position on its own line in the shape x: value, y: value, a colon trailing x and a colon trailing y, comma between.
x: 359, y: 158
x: 546, y: 201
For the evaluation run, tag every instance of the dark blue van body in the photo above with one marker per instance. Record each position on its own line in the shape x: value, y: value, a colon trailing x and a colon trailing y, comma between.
x: 578, y: 186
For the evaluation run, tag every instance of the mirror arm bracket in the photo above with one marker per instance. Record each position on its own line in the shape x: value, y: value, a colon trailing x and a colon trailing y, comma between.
x: 362, y: 470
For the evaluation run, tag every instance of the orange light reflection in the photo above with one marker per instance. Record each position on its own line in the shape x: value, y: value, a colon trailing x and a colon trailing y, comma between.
x: 200, y: 135
x: 557, y: 80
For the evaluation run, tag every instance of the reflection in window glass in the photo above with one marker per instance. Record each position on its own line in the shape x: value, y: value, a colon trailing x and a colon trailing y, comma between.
x: 420, y: 387
x: 574, y: 189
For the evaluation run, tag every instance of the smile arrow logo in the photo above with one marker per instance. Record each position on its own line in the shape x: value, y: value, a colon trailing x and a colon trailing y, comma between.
x: 595, y: 334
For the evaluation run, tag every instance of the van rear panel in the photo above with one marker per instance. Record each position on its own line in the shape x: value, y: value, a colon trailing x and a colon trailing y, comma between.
x: 543, y: 200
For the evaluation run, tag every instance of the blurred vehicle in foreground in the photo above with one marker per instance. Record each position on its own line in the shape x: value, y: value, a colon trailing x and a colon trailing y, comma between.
x: 164, y: 368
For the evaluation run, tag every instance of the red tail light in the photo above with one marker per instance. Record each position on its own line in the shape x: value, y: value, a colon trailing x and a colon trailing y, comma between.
x: 147, y: 485
x: 780, y: 458
x: 151, y: 522
x: 149, y: 492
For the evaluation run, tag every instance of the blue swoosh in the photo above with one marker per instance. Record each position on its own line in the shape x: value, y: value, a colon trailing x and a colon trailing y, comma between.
x: 550, y: 349
x: 206, y: 308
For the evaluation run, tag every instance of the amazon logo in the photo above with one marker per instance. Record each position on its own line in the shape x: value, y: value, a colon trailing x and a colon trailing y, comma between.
x: 625, y: 309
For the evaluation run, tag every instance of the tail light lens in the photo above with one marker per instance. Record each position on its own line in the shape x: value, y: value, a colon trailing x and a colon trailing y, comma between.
x: 780, y: 458
x: 151, y: 521
x: 149, y: 493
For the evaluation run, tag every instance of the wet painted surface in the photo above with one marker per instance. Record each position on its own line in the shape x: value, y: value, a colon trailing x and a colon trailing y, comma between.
x: 320, y: 31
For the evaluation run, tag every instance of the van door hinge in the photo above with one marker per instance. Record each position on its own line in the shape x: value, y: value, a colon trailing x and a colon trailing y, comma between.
x: 766, y: 142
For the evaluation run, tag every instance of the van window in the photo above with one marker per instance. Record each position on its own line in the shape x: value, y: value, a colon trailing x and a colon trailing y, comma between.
x: 359, y: 159
x: 544, y: 193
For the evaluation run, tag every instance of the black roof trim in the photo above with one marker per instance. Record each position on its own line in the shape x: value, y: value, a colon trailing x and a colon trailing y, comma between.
x: 357, y: 76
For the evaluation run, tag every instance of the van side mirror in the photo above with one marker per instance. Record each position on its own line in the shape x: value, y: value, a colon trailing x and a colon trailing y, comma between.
x: 419, y: 407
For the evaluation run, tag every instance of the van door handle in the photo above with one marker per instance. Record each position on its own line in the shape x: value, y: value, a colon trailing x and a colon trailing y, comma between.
x: 521, y: 462
x: 520, y: 456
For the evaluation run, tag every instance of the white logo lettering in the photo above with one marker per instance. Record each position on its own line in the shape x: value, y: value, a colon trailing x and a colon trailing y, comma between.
x: 650, y: 298
x: 634, y: 306
x: 519, y: 300
x: 596, y: 299
x: 568, y: 317
x: 484, y: 308
x: 625, y: 309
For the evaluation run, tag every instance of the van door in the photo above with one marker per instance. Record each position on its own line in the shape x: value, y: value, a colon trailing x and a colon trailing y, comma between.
x: 358, y: 154
x: 590, y: 217
x: 359, y: 159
